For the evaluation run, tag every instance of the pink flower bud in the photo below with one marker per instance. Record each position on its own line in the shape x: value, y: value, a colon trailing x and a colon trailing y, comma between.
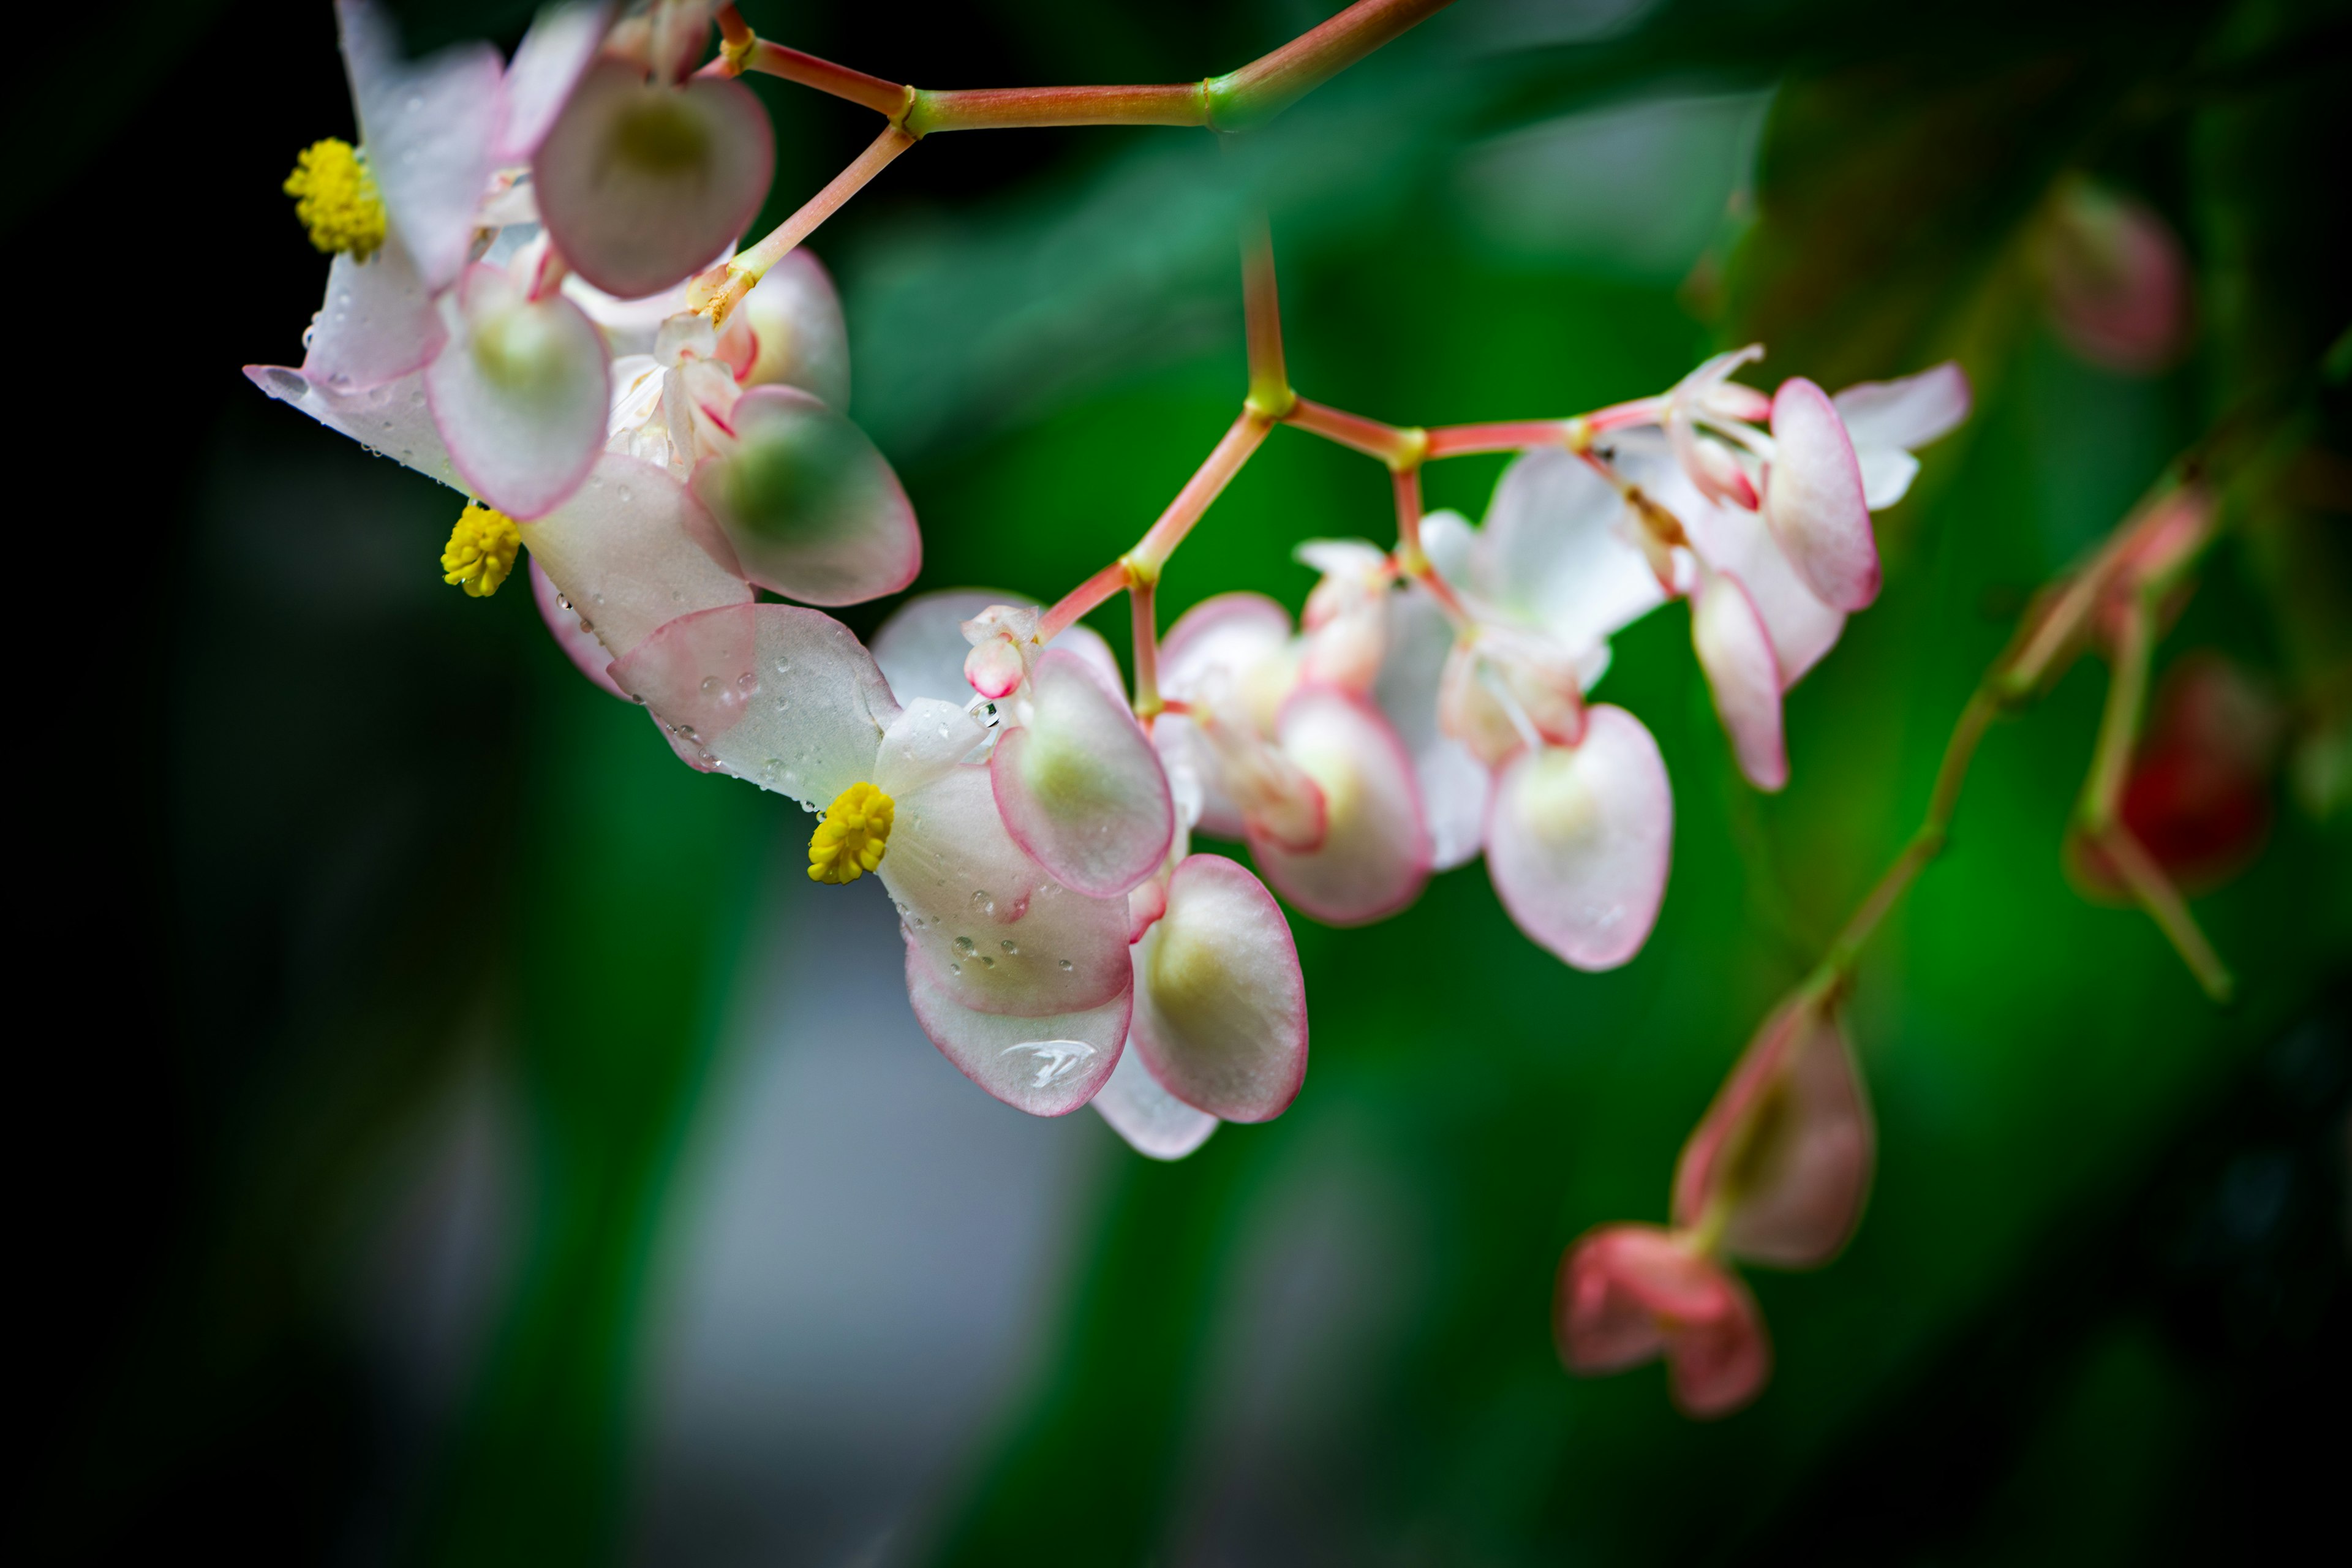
x: 2115, y: 278
x: 1782, y: 1159
x: 1631, y: 1292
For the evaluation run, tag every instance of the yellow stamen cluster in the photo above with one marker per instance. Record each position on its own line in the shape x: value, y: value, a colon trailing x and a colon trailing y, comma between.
x: 481, y: 551
x: 850, y: 842
x: 336, y: 199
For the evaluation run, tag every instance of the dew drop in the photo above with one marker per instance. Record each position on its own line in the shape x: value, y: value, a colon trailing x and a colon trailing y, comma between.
x: 985, y: 902
x: 711, y: 686
x: 955, y: 969
x: 1007, y: 946
x: 963, y: 944
x: 986, y: 961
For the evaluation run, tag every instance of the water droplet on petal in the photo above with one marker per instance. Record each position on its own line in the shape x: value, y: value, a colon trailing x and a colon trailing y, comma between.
x: 1065, y: 964
x: 1008, y: 947
x: 986, y: 961
x: 963, y: 944
x: 711, y: 686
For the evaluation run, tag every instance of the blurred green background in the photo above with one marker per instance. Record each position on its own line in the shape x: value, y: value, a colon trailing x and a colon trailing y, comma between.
x: 475, y: 1144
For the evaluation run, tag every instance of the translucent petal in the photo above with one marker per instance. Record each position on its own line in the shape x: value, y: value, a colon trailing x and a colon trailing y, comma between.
x: 1813, y: 499
x: 588, y: 656
x: 1905, y: 414
x: 998, y: 933
x: 1447, y: 538
x: 1551, y: 552
x: 1221, y: 1006
x: 1183, y: 749
x: 427, y: 129
x: 1741, y: 671
x: 1046, y: 1066
x: 520, y: 393
x: 376, y: 324
x: 546, y: 66
x: 802, y: 339
x: 641, y: 186
x: 1578, y: 841
x: 1801, y: 628
x: 811, y: 506
x: 1453, y: 785
x: 921, y: 647
x: 1154, y: 1122
x: 782, y: 696
x: 1228, y: 633
x: 1080, y: 787
x: 1789, y: 1143
x: 1886, y: 475
x: 631, y: 551
x: 1719, y: 1363
x: 1375, y: 852
x: 392, y: 420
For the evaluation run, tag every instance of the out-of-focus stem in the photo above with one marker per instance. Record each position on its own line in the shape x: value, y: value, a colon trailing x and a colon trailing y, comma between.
x: 1411, y: 560
x: 2102, y: 789
x: 721, y: 289
x: 1399, y: 447
x: 1927, y: 842
x: 1269, y: 381
x: 1267, y: 86
x: 2163, y: 905
x: 1147, y: 647
x: 1017, y: 108
x: 770, y: 59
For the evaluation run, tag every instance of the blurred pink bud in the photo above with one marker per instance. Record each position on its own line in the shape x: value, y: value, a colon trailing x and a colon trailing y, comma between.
x: 2198, y: 797
x: 1782, y: 1159
x: 1004, y: 640
x: 1813, y: 499
x: 1347, y: 616
x: 1631, y: 1292
x: 2114, y: 278
x: 1743, y: 672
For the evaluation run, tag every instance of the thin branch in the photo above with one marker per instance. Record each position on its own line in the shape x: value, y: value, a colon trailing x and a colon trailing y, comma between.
x: 1399, y: 447
x: 1203, y: 487
x: 721, y: 289
x: 1269, y: 379
x: 1147, y: 648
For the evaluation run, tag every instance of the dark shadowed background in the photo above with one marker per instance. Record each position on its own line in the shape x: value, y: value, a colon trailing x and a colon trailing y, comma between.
x: 463, y: 1136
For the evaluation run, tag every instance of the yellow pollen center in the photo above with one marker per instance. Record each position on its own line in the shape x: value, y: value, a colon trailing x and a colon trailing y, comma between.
x: 481, y: 551
x: 336, y: 199
x: 851, y: 839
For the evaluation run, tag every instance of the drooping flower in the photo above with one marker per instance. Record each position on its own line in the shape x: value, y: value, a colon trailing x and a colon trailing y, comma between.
x: 1776, y: 1174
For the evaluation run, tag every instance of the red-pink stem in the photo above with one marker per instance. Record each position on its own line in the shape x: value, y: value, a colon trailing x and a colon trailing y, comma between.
x: 1508, y: 435
x: 721, y: 289
x: 1094, y: 591
x: 1398, y: 446
x: 1205, y: 485
x: 1147, y: 648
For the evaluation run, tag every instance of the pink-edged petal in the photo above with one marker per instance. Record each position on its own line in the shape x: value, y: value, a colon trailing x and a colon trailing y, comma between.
x: 1578, y: 841
x: 802, y: 339
x: 1184, y: 749
x: 921, y: 648
x: 1375, y: 855
x: 376, y: 324
x: 641, y: 186
x: 1221, y: 1005
x: 1551, y: 552
x: 572, y: 635
x: 1080, y: 787
x: 1154, y: 1122
x: 392, y: 420
x: 1743, y: 673
x: 1718, y: 1364
x: 997, y: 932
x: 1802, y: 628
x: 811, y: 506
x: 1813, y: 499
x: 547, y: 65
x: 1046, y: 1065
x: 519, y: 392
x: 2118, y: 281
x: 1789, y: 1144
x: 785, y: 697
x: 1907, y: 413
x: 427, y: 129
x: 1227, y: 634
x: 632, y: 550
x: 1619, y: 1289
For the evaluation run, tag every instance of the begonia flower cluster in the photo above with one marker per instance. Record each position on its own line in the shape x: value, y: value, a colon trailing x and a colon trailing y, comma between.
x: 511, y: 310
